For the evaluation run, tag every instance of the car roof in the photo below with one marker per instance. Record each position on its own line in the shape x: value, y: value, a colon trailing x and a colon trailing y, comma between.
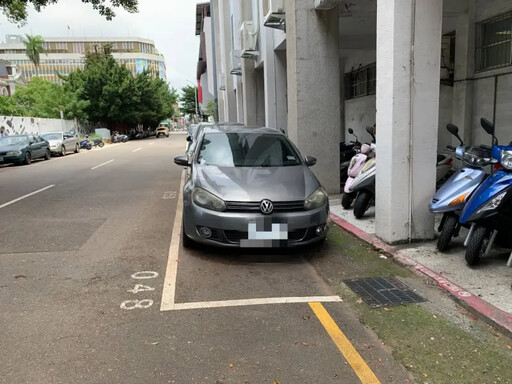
x: 23, y: 135
x: 239, y: 128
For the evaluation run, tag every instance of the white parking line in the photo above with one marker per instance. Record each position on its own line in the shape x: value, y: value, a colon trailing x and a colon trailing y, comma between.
x: 101, y: 165
x: 24, y: 197
x: 171, y: 272
x: 247, y: 302
x: 136, y: 150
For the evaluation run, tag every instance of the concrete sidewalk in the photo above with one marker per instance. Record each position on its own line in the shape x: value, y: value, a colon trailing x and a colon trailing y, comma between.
x: 485, y: 290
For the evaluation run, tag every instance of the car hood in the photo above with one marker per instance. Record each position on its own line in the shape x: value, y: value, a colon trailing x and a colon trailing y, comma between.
x: 14, y: 147
x: 256, y: 184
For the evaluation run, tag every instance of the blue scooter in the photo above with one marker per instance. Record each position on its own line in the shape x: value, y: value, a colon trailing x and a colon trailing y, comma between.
x: 456, y: 191
x: 489, y: 211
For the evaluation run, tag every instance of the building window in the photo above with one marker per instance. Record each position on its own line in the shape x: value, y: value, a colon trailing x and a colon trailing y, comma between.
x: 79, y: 47
x: 361, y: 82
x: 61, y: 46
x: 494, y: 42
x: 127, y: 45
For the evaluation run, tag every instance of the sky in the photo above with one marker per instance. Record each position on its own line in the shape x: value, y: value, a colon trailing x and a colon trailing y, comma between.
x: 169, y: 23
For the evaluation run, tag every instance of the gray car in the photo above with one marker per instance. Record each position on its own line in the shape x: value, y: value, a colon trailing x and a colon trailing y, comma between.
x: 250, y: 187
x: 62, y: 143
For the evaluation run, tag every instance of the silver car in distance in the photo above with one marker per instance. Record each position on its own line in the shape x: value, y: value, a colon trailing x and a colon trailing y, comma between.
x: 250, y: 187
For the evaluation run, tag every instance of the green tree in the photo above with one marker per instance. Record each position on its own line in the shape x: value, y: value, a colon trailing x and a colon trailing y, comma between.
x: 8, y: 107
x: 188, y: 100
x: 42, y: 98
x: 34, y: 46
x: 113, y: 96
x: 16, y: 10
x: 210, y: 108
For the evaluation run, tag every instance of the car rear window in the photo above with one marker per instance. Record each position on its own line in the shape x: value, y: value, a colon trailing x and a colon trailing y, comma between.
x: 52, y: 136
x: 11, y: 140
x: 247, y: 150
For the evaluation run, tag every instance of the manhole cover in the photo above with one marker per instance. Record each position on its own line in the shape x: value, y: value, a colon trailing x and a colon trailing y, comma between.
x: 383, y: 291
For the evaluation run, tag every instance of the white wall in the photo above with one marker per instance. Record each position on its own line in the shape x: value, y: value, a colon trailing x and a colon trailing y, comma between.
x: 31, y: 125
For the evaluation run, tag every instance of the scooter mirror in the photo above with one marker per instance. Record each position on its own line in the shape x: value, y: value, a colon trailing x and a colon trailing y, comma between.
x: 487, y: 126
x: 452, y: 128
x: 351, y: 131
x: 371, y: 131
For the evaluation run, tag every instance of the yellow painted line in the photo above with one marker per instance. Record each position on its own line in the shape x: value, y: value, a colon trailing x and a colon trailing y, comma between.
x: 355, y: 360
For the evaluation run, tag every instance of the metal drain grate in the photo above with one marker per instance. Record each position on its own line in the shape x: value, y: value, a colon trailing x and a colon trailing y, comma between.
x: 383, y: 291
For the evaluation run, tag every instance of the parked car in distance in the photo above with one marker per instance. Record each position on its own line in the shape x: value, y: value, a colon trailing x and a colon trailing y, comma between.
x: 22, y: 149
x: 62, y: 143
x: 250, y: 187
x: 162, y: 131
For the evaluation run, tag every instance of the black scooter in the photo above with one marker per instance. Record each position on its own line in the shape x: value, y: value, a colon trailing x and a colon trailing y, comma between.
x: 347, y: 151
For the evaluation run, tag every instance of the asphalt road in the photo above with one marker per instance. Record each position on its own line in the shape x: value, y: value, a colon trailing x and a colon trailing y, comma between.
x: 84, y: 264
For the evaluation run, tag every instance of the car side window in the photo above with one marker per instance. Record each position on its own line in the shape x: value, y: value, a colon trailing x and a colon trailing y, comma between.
x: 31, y: 139
x: 39, y: 139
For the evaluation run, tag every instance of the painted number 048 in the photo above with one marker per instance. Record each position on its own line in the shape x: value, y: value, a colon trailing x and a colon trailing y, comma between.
x: 132, y: 304
x: 140, y: 304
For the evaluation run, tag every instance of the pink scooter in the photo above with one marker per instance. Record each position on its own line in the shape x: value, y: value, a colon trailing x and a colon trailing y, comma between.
x: 356, y: 165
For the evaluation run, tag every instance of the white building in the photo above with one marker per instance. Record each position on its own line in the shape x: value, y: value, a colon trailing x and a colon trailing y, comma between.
x: 318, y: 67
x: 63, y: 55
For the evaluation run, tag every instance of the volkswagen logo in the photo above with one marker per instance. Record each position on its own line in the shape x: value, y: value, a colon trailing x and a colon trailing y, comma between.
x: 266, y: 207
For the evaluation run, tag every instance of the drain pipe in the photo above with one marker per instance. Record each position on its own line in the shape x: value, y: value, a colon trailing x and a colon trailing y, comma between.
x: 411, y: 116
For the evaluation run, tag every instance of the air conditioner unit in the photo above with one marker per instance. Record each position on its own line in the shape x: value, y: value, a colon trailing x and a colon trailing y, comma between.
x: 221, y: 81
x: 249, y: 41
x: 276, y: 16
x: 236, y: 63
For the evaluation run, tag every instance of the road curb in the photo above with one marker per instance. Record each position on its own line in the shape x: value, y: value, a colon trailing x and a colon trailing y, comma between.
x: 495, y: 317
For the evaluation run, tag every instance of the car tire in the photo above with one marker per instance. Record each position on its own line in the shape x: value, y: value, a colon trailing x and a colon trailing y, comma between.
x: 47, y: 155
x: 346, y: 200
x: 476, y: 245
x: 449, y: 228
x: 77, y: 148
x: 63, y: 151
x: 362, y: 204
x: 28, y: 158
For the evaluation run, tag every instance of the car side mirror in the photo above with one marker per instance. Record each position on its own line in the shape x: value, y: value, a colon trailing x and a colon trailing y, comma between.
x: 189, y: 139
x: 310, y: 161
x: 182, y: 160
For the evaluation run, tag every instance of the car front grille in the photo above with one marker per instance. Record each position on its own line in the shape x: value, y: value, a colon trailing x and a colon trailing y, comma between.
x: 236, y: 236
x: 279, y: 206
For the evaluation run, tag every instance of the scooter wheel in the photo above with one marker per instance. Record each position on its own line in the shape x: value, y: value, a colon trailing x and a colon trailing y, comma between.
x: 476, y: 245
x: 362, y: 204
x: 346, y: 200
x: 445, y: 237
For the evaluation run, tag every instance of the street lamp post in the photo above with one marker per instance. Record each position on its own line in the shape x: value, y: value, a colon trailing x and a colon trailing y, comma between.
x: 197, y: 104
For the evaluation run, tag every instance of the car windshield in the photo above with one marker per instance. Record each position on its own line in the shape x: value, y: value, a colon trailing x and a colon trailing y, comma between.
x: 52, y: 136
x: 247, y: 150
x: 13, y: 140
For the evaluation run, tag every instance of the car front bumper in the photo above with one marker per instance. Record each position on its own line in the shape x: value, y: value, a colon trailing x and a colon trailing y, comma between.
x: 12, y: 159
x: 231, y: 229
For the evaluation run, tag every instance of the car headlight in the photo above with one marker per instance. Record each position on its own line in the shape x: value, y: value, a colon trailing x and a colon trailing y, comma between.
x: 493, y: 203
x: 506, y: 159
x: 208, y: 200
x: 14, y: 153
x: 316, y: 199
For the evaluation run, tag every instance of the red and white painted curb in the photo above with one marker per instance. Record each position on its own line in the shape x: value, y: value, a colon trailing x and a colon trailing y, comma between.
x: 487, y: 312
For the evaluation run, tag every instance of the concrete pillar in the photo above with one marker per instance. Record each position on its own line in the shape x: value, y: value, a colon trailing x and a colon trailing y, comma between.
x: 313, y: 54
x: 218, y: 57
x: 462, y: 114
x: 281, y: 91
x: 226, y: 47
x: 249, y: 77
x: 408, y: 80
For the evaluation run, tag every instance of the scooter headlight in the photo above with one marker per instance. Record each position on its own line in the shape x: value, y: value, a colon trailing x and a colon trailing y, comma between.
x: 492, y: 204
x: 506, y: 159
x: 476, y: 160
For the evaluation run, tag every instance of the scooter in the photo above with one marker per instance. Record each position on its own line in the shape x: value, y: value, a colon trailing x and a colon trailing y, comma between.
x: 489, y: 210
x: 347, y: 152
x: 456, y: 191
x: 98, y: 143
x: 85, y: 144
x: 116, y: 138
x: 356, y: 165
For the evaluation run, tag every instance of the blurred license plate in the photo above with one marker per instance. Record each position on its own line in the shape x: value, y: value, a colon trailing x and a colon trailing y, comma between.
x: 279, y: 231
